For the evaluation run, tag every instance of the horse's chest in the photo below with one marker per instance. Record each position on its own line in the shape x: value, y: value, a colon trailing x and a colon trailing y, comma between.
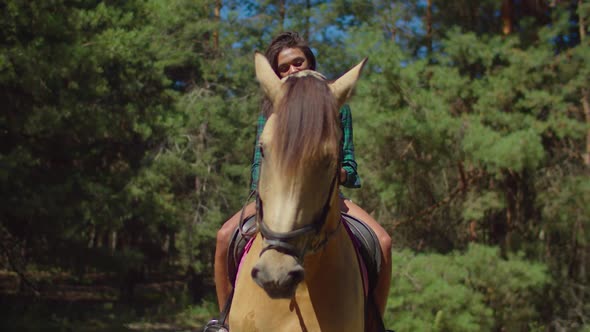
x: 326, y: 301
x: 297, y: 314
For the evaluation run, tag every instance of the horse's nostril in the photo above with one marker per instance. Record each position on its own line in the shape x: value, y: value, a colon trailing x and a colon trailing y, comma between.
x: 296, y: 275
x: 254, y: 272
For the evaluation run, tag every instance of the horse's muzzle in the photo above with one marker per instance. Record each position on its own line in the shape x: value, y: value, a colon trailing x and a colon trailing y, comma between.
x: 278, y: 274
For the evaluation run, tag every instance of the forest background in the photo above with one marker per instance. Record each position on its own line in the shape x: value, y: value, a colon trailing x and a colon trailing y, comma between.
x: 127, y: 131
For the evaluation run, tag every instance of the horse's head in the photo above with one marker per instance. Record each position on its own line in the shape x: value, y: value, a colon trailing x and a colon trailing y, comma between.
x: 299, y: 171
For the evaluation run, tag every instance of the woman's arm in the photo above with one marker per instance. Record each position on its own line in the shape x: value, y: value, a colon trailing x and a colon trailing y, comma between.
x: 348, y: 162
x: 255, y: 171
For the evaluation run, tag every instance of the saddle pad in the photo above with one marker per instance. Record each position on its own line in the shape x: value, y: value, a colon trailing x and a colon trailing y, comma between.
x: 237, y: 245
x: 368, y: 248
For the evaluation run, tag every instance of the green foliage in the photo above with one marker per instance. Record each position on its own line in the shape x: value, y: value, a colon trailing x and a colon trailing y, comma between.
x: 516, y: 151
x: 127, y: 128
x: 472, y: 291
x: 477, y: 205
x: 88, y: 103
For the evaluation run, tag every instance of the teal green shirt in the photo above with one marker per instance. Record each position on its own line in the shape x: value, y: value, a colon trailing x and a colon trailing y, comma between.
x: 348, y: 163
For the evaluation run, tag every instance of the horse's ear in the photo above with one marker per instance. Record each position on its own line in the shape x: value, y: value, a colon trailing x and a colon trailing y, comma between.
x: 269, y: 81
x: 342, y: 88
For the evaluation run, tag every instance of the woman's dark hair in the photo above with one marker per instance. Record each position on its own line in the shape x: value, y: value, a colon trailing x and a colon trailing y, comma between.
x: 285, y: 40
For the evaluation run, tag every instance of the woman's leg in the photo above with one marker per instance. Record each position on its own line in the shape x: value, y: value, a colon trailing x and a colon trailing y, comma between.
x: 384, y: 279
x: 222, y: 284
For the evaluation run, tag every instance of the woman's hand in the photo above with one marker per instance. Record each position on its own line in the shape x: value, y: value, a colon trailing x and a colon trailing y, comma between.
x: 343, y: 175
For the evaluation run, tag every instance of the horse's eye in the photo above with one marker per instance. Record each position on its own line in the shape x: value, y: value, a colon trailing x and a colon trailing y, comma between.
x: 259, y: 208
x: 261, y: 150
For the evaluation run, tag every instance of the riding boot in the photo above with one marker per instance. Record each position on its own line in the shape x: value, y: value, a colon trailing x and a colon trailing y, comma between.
x: 215, y: 326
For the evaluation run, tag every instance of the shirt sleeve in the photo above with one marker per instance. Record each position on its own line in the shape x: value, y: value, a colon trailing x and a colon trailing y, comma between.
x: 255, y: 171
x: 349, y: 164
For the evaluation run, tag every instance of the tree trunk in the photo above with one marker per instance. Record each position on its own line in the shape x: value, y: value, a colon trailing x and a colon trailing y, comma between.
x: 429, y: 26
x: 585, y: 91
x: 307, y: 20
x: 507, y: 24
x: 586, y: 106
x: 166, y: 244
x: 217, y: 14
x: 462, y: 176
x: 512, y: 188
x: 91, y: 237
x: 113, y: 241
x: 282, y: 14
x: 393, y: 28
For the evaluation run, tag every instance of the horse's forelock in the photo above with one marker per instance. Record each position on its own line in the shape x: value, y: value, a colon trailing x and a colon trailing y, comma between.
x: 307, y: 121
x: 305, y: 73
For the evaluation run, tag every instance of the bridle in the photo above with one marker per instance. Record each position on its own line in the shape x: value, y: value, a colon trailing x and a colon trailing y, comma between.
x: 280, y: 241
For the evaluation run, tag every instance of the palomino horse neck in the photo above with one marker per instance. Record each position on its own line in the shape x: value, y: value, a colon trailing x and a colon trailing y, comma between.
x: 301, y: 272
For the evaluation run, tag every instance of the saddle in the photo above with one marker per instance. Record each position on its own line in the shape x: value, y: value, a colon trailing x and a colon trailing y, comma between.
x: 364, y: 238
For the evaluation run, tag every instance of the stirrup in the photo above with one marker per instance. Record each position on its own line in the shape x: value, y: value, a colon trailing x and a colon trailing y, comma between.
x: 215, y: 326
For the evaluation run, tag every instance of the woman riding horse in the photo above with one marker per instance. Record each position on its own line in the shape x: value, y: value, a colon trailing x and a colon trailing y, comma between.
x: 289, y: 54
x: 301, y: 272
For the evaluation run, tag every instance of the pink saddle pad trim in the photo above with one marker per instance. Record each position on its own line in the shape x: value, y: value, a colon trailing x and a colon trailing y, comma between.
x: 362, y: 265
x: 243, y: 258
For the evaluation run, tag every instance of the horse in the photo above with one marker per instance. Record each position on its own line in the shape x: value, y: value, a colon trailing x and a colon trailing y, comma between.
x: 300, y: 272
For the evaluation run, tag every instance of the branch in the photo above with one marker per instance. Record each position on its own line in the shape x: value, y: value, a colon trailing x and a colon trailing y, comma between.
x: 458, y: 190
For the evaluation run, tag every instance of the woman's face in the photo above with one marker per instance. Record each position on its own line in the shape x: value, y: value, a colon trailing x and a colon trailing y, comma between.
x: 290, y: 61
